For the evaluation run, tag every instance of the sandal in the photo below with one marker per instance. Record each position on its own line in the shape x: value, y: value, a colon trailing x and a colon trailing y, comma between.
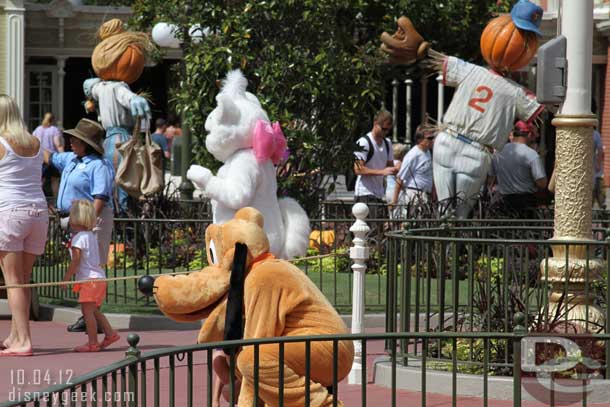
x: 88, y: 347
x: 110, y: 340
x: 7, y: 352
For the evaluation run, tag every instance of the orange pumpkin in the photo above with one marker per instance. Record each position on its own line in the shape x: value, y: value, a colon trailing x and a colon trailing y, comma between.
x: 127, y: 68
x: 113, y: 254
x: 318, y: 239
x: 505, y: 47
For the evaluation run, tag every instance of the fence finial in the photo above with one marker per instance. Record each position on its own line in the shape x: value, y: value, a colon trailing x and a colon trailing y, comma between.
x: 359, y: 253
x: 133, y: 351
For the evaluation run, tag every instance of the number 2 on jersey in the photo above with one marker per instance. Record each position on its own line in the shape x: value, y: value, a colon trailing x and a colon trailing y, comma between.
x: 476, y: 103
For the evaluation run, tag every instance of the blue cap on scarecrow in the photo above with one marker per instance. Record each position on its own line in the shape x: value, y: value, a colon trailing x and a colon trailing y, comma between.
x: 527, y: 16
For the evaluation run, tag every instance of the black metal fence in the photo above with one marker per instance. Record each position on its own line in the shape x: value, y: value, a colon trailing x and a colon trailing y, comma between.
x: 466, y: 298
x: 159, y: 246
x: 475, y: 279
x: 183, y: 375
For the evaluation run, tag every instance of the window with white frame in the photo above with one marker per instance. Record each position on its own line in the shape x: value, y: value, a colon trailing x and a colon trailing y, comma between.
x: 41, y: 94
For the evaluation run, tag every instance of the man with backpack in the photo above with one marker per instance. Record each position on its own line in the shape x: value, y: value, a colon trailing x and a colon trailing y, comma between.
x: 373, y: 161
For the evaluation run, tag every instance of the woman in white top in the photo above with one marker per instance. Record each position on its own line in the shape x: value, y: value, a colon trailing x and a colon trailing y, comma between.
x: 24, y: 220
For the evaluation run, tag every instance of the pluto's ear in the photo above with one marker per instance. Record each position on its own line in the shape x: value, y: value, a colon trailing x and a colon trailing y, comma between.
x: 234, y: 319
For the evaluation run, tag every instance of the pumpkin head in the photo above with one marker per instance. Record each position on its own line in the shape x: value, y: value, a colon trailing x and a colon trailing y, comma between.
x: 506, y: 47
x: 121, y: 55
x: 127, y: 68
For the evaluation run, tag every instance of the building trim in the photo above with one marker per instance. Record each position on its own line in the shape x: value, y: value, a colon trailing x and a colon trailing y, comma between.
x: 15, y: 39
x: 79, y: 9
x: 84, y: 52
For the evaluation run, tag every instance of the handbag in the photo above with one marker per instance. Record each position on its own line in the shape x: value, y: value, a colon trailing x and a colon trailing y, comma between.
x: 140, y: 172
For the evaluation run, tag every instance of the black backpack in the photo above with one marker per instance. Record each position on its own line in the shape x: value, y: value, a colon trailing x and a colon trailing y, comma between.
x: 350, y: 176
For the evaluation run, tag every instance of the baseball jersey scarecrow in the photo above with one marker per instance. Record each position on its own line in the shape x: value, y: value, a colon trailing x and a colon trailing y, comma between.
x: 480, y: 117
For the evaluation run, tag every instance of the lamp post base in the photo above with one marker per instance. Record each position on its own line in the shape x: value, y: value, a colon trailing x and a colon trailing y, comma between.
x: 572, y: 297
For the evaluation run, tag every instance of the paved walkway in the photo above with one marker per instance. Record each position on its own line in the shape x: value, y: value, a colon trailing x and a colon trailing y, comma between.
x: 54, y: 362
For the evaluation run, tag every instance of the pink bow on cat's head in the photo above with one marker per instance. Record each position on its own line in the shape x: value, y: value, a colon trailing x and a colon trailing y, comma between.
x: 269, y: 142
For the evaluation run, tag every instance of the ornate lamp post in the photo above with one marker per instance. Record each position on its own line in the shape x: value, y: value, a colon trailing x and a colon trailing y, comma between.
x: 164, y: 35
x: 574, y: 174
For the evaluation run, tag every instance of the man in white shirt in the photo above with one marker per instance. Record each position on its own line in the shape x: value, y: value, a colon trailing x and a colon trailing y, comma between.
x: 519, y: 172
x: 373, y: 162
x: 414, y: 179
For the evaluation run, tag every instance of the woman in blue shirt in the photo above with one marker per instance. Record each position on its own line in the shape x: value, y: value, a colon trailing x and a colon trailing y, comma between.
x: 85, y: 174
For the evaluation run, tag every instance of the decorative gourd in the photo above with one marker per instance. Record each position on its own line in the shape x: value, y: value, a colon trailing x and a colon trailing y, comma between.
x: 505, y: 47
x: 114, y: 253
x: 121, y: 55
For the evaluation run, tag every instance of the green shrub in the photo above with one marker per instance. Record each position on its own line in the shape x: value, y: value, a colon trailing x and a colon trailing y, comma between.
x: 339, y: 263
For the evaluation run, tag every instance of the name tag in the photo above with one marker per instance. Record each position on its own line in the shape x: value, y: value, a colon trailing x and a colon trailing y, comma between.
x: 81, y: 166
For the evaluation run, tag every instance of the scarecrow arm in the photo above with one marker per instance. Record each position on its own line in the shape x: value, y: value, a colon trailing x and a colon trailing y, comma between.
x: 406, y: 46
x: 88, y: 86
x: 129, y: 100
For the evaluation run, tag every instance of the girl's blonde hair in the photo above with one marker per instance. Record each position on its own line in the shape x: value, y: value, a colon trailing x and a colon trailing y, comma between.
x: 12, y: 126
x: 48, y: 120
x: 398, y: 151
x: 82, y: 213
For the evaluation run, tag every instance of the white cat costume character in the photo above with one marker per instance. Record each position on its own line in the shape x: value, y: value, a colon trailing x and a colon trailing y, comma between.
x: 240, y: 136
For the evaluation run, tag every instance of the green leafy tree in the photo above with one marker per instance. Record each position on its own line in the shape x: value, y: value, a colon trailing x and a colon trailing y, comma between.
x: 314, y: 64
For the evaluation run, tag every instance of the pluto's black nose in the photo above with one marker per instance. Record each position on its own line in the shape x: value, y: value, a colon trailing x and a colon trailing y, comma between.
x: 146, y: 285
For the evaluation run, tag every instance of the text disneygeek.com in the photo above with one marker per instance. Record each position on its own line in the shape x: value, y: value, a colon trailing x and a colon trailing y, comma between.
x: 22, y: 382
x: 69, y: 398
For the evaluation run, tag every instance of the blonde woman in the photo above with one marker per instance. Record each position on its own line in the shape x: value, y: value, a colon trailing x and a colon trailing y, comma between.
x: 51, y: 140
x: 24, y: 220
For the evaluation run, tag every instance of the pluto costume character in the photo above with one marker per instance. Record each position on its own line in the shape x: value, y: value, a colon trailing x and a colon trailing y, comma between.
x: 240, y: 136
x: 118, y: 60
x: 278, y: 300
x: 486, y: 103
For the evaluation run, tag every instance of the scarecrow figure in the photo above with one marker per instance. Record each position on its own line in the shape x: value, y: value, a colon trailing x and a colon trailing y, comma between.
x: 486, y: 103
x: 118, y: 61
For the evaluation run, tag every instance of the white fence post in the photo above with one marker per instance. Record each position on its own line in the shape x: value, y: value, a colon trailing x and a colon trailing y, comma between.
x: 408, y: 108
x: 424, y: 99
x: 359, y: 253
x: 395, y: 85
x: 440, y: 107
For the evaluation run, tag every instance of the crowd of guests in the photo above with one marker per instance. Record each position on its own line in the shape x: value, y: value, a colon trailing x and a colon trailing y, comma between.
x: 400, y: 183
x: 82, y: 180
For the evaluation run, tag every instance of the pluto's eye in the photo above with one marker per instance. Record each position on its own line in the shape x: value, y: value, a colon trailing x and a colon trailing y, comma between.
x: 213, y: 257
